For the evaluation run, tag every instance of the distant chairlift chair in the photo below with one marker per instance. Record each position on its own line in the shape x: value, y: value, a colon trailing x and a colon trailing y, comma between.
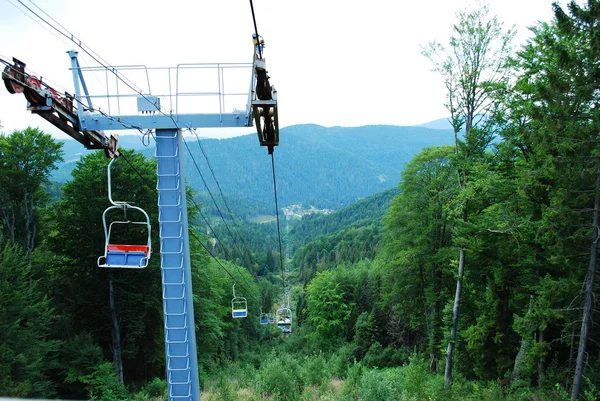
x: 284, y: 320
x: 239, y: 306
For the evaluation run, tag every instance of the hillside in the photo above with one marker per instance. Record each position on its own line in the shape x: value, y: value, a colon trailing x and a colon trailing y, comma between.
x: 365, y: 212
x: 324, y: 167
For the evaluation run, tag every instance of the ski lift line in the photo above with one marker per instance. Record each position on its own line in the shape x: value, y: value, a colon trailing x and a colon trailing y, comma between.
x: 212, y: 197
x: 278, y: 225
x: 95, y: 56
x: 195, y: 204
x: 100, y: 60
x: 195, y: 236
x: 255, y: 28
x: 79, y: 103
x: 231, y: 215
x: 39, y: 23
x: 59, y: 24
x: 223, y: 267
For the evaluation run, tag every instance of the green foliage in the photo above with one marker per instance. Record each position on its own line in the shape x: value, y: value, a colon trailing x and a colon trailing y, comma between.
x: 328, y: 308
x: 26, y: 317
x: 378, y: 385
x: 351, y: 384
x: 279, y: 377
x: 360, y: 214
x: 80, y: 290
x: 26, y: 160
x: 103, y: 384
x: 154, y: 390
x: 314, y: 370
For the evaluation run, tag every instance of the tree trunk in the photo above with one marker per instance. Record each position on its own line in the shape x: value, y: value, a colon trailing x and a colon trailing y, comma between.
x: 30, y: 229
x: 9, y: 218
x: 525, y: 345
x: 455, y: 313
x: 589, y: 293
x: 116, y: 334
x: 540, y: 363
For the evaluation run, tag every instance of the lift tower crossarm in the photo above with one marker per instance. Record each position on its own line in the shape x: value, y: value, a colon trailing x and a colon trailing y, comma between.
x: 56, y: 108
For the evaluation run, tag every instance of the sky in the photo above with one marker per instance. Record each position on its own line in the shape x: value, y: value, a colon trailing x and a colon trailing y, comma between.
x: 334, y: 62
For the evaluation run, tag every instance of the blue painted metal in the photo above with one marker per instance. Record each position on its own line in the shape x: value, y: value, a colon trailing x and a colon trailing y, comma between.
x: 126, y: 259
x: 94, y: 121
x: 180, y: 336
x: 77, y: 80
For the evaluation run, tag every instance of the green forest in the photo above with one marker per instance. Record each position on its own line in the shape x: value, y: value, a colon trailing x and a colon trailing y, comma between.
x: 473, y: 280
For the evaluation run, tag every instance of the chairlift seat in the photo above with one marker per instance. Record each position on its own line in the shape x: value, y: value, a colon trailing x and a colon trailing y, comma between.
x: 239, y: 307
x: 126, y: 256
x: 240, y: 313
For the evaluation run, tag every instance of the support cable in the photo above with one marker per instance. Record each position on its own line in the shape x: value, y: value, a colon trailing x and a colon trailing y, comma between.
x: 98, y: 59
x: 255, y: 28
x: 278, y: 225
x: 211, y: 196
x: 251, y: 293
x: 231, y: 215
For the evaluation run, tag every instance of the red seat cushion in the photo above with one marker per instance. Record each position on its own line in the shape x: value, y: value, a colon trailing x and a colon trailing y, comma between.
x: 128, y: 248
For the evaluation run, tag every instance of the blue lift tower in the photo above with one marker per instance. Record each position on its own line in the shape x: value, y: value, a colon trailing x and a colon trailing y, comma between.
x: 164, y: 110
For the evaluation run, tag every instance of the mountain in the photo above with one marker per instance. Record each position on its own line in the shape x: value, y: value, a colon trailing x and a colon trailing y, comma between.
x: 440, y: 123
x: 368, y: 211
x: 74, y: 151
x: 315, y: 165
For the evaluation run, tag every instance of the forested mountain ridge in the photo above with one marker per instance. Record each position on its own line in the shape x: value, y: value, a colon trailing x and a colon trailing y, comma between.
x: 325, y: 167
x: 362, y: 213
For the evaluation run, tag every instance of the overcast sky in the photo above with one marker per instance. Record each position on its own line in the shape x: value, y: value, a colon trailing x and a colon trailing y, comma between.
x: 334, y: 62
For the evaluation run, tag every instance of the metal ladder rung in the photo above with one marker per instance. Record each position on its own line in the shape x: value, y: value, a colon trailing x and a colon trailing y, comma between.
x: 170, y: 221
x: 172, y: 237
x: 171, y: 252
x: 178, y: 204
x: 173, y: 156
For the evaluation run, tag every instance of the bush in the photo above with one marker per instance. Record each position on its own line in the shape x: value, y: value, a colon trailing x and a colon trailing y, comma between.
x: 103, y: 384
x: 339, y: 363
x: 379, y: 385
x: 279, y: 376
x: 314, y: 370
x: 156, y: 388
x: 351, y: 384
x: 377, y: 357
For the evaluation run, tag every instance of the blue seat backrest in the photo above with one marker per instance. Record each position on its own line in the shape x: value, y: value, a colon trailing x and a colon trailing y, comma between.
x: 126, y: 259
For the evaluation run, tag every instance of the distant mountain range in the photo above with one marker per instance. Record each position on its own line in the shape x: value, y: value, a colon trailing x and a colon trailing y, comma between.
x: 325, y: 167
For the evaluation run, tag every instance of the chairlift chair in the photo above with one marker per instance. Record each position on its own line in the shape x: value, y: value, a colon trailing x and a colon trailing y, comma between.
x: 264, y: 317
x: 271, y: 318
x: 117, y: 255
x: 284, y: 319
x: 239, y: 306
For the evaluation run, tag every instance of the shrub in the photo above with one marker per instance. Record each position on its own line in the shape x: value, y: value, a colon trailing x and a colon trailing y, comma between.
x: 314, y: 370
x: 279, y: 376
x: 339, y: 363
x: 103, y: 384
x: 351, y: 384
x: 378, y: 385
